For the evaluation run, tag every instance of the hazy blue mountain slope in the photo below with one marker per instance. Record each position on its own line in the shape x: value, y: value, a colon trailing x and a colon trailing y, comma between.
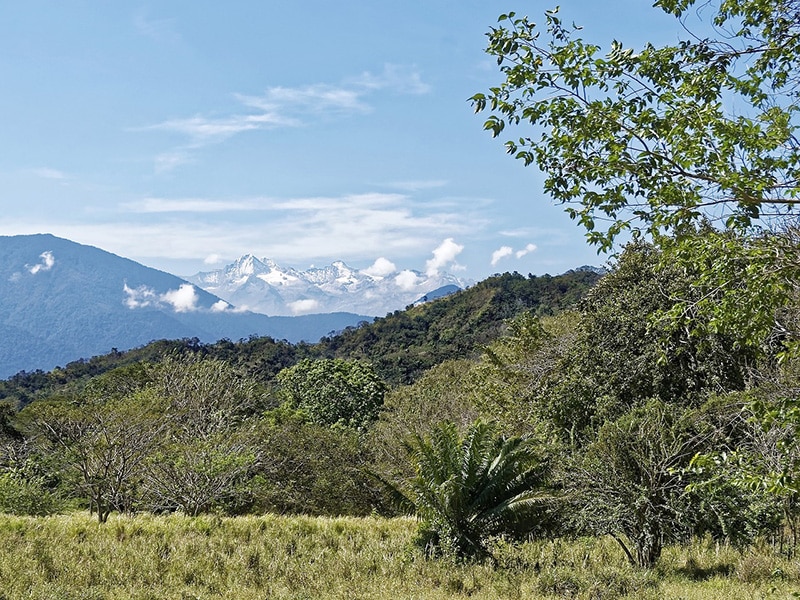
x: 60, y: 301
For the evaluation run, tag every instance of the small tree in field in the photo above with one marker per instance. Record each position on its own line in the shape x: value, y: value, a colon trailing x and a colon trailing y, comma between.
x: 101, y: 447
x: 469, y: 489
x: 628, y: 482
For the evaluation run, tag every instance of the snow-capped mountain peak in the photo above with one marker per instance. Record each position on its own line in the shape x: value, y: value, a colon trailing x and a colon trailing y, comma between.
x: 262, y: 285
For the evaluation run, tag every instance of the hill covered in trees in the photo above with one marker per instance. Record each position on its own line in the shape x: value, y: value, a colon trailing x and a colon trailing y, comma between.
x: 401, y: 346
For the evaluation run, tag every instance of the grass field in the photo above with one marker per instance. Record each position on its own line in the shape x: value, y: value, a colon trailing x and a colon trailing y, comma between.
x: 148, y: 557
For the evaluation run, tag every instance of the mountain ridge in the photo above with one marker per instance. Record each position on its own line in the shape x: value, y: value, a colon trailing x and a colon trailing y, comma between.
x: 264, y: 286
x: 62, y: 301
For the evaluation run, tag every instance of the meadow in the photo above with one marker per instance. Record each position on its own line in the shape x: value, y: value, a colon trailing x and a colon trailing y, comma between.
x: 147, y: 557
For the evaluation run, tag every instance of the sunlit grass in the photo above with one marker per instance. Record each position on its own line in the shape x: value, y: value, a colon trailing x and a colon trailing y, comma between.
x: 158, y: 557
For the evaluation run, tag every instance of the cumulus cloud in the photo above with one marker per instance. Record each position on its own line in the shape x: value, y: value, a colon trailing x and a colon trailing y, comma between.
x: 45, y: 265
x: 212, y: 259
x: 220, y: 306
x: 301, y: 307
x: 184, y: 299
x: 526, y: 250
x: 407, y: 280
x: 444, y: 254
x: 139, y: 297
x: 501, y: 253
x: 381, y: 268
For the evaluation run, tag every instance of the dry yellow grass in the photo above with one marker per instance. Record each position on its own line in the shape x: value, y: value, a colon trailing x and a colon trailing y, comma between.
x: 149, y: 557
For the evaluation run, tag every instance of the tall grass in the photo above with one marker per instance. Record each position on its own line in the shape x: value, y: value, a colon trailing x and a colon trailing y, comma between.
x: 163, y: 557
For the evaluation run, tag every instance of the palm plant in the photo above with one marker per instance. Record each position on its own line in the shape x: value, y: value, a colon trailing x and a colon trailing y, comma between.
x: 469, y: 489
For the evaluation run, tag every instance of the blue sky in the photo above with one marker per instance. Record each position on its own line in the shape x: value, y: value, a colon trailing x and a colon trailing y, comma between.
x: 183, y: 134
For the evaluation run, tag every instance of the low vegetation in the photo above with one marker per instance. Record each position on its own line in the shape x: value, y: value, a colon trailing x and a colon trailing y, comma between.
x: 146, y: 557
x: 634, y: 438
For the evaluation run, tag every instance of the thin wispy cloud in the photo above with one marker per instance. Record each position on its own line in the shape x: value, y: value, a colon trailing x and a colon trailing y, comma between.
x: 295, y: 230
x: 415, y: 186
x: 159, y: 30
x: 398, y: 78
x: 168, y: 161
x: 192, y: 205
x: 204, y: 130
x: 47, y: 173
x: 281, y: 107
x: 313, y: 99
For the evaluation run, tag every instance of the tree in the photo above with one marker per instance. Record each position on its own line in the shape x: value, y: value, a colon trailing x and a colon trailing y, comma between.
x: 693, y: 144
x: 99, y: 445
x: 628, y: 482
x: 468, y: 489
x: 334, y: 391
x: 647, y: 140
x: 209, y: 447
x: 441, y: 394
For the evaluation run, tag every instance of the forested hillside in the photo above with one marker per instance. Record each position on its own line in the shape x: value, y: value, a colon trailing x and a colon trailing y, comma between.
x: 400, y: 346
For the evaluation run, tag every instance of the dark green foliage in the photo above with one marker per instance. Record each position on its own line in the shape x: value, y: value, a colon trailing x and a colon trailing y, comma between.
x: 405, y: 344
x: 27, y: 496
x: 628, y: 481
x: 624, y: 352
x: 468, y: 489
x: 306, y: 468
x: 441, y: 394
x: 334, y: 391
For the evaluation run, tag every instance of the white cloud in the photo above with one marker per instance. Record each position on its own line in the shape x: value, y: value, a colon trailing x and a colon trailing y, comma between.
x: 139, y: 297
x: 301, y: 307
x: 167, y: 161
x: 195, y: 205
x: 184, y: 299
x: 220, y: 306
x: 527, y: 250
x: 415, y: 186
x: 381, y: 268
x: 501, y: 253
x: 311, y: 99
x: 400, y: 78
x: 47, y: 173
x: 444, y: 254
x: 205, y: 130
x: 212, y: 259
x: 356, y: 227
x: 159, y: 30
x: 407, y: 280
x: 47, y: 263
x: 280, y: 106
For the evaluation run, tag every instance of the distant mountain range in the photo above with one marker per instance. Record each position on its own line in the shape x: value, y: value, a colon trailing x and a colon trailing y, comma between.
x: 61, y: 301
x: 261, y: 285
